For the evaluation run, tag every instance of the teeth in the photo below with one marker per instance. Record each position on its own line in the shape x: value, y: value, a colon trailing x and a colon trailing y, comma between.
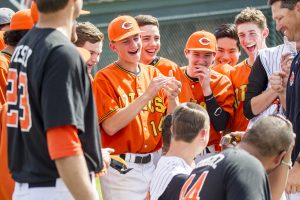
x: 250, y: 45
x: 150, y: 51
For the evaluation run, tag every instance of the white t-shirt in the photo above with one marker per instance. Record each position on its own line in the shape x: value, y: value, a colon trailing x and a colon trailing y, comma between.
x: 167, y: 168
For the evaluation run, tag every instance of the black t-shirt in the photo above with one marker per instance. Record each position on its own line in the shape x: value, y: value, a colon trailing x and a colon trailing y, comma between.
x: 293, y: 102
x: 233, y: 174
x: 48, y: 86
x: 173, y: 189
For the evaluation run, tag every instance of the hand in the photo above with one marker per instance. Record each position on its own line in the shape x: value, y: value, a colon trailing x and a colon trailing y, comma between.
x: 277, y: 82
x: 106, y: 160
x: 172, y: 88
x: 293, y: 183
x: 155, y: 85
x: 203, y: 74
x: 286, y: 62
x: 238, y: 134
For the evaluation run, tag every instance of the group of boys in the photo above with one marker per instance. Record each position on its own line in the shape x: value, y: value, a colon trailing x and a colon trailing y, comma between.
x: 132, y: 96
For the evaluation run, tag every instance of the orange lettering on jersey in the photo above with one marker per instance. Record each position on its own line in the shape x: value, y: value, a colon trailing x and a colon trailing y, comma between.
x: 240, y: 95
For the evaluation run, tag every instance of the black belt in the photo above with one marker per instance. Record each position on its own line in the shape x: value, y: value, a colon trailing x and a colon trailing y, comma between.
x: 139, y: 159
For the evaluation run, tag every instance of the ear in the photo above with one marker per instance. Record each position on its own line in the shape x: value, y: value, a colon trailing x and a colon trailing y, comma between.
x: 186, y: 52
x: 113, y: 47
x: 266, y: 32
x: 278, y: 158
x: 297, y: 7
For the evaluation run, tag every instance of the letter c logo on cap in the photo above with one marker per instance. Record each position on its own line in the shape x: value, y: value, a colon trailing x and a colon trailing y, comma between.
x: 127, y: 25
x: 204, y: 41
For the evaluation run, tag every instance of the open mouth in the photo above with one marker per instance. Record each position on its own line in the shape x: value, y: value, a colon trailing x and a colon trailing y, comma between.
x: 251, y: 47
x: 133, y: 52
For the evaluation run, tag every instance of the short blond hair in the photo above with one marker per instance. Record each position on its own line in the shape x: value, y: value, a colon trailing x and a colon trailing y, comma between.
x: 251, y: 15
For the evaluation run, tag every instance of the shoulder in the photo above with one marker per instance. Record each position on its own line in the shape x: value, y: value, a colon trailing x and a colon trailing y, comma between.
x: 105, y: 72
x: 218, y: 78
x: 166, y: 62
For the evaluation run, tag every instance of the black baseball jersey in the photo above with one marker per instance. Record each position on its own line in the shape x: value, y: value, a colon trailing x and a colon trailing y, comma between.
x: 293, y: 102
x: 233, y: 174
x: 48, y: 86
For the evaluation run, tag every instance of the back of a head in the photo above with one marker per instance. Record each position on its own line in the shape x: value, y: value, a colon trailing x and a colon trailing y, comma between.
x: 87, y: 32
x: 251, y: 15
x: 51, y: 6
x: 144, y: 20
x: 188, y: 119
x: 270, y: 135
x: 227, y: 31
x: 289, y: 4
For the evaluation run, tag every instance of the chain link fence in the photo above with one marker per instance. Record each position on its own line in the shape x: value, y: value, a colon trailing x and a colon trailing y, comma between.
x: 176, y: 30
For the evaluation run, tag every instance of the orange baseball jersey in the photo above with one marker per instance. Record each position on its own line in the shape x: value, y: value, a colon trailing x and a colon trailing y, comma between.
x: 239, y: 78
x: 164, y: 65
x: 7, y: 183
x: 2, y: 44
x: 222, y: 90
x: 222, y: 69
x: 4, y: 64
x: 115, y: 88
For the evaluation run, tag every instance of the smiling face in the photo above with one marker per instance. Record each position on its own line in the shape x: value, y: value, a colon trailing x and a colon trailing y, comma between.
x: 287, y: 21
x: 128, y: 50
x: 151, y: 43
x: 197, y: 59
x: 227, y: 51
x: 252, y: 38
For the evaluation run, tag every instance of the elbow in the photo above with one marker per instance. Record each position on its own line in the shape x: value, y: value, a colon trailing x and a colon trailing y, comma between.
x: 248, y: 110
x: 108, y: 128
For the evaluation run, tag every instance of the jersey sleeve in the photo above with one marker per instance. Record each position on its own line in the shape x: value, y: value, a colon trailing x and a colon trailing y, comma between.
x: 174, y: 187
x: 105, y: 98
x: 63, y: 90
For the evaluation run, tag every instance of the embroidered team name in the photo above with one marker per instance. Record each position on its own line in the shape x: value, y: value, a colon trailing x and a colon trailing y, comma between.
x: 211, y: 161
x: 21, y: 55
x: 240, y: 95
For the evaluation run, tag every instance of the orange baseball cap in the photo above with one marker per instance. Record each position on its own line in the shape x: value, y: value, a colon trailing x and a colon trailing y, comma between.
x: 202, y: 40
x: 34, y: 12
x: 85, y: 54
x: 21, y: 20
x: 122, y: 27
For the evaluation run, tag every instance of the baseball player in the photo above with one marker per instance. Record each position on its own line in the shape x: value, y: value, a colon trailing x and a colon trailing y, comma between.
x: 241, y: 172
x: 90, y: 38
x: 131, y: 106
x: 208, y: 88
x: 51, y: 118
x: 228, y: 49
x: 286, y: 16
x: 21, y: 22
x: 252, y: 31
x: 5, y: 17
x: 151, y: 46
x: 174, y: 168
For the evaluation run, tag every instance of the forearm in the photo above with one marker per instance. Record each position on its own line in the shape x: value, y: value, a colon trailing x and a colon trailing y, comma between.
x: 217, y: 115
x: 172, y: 103
x: 124, y: 116
x: 73, y: 171
x: 262, y: 101
x: 278, y: 180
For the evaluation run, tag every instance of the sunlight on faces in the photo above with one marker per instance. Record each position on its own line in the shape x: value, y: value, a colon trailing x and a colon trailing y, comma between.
x: 95, y: 51
x: 227, y: 51
x: 287, y: 21
x: 128, y: 49
x: 251, y: 37
x: 197, y: 59
x: 151, y: 43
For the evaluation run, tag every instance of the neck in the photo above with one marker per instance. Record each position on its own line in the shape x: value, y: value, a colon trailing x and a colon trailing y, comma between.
x: 9, y: 49
x: 183, y: 150
x: 132, y: 67
x: 58, y: 20
x: 253, y: 151
x: 298, y: 45
x: 145, y: 61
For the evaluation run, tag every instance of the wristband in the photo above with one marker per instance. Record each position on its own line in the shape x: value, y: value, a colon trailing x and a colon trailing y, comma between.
x: 289, y: 163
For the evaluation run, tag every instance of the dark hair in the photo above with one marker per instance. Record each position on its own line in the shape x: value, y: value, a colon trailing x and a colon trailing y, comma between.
x: 50, y: 6
x: 289, y: 4
x: 144, y: 20
x: 188, y: 119
x: 229, y: 31
x: 270, y: 135
x: 12, y: 38
x: 87, y: 32
x: 166, y: 133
